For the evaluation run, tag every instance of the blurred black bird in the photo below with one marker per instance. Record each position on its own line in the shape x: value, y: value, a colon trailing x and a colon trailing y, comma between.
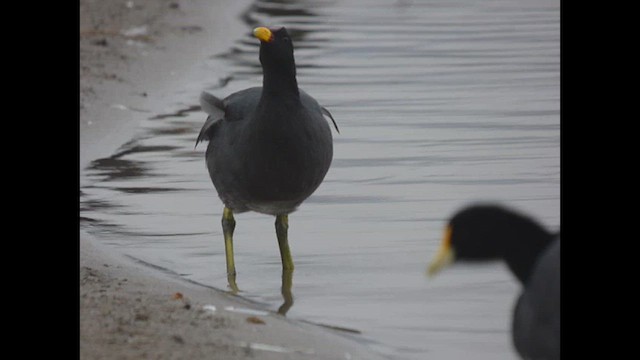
x: 270, y: 147
x: 489, y: 232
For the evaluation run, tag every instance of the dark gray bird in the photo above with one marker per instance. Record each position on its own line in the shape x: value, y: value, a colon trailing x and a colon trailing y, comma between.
x: 489, y: 232
x: 270, y: 147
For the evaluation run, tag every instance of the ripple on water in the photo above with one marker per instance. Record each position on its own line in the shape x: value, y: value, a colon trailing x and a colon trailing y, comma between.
x: 439, y: 103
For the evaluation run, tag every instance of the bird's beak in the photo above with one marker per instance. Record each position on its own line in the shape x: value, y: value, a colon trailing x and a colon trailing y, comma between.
x: 263, y: 34
x: 445, y: 255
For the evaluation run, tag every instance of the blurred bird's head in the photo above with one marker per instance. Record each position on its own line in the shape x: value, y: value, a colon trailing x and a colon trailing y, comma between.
x: 490, y: 232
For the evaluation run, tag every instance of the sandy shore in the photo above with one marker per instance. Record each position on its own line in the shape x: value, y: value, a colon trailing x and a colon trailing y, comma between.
x: 131, y: 311
x: 131, y: 54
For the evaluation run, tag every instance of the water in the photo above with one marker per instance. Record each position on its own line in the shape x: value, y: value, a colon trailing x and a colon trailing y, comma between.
x: 439, y: 103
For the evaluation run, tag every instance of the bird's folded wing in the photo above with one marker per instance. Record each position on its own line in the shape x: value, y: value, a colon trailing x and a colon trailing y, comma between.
x: 208, y: 129
x: 215, y: 108
x: 327, y: 113
x: 212, y: 105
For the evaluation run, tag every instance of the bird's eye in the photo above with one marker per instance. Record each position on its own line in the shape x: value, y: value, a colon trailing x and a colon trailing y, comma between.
x: 286, y: 39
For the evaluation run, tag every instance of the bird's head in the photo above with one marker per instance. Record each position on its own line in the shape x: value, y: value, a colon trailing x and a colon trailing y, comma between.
x: 491, y: 232
x: 276, y: 46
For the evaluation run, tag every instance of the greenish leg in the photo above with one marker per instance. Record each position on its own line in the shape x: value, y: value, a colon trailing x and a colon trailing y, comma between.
x: 282, y: 227
x: 287, y: 294
x: 228, y: 225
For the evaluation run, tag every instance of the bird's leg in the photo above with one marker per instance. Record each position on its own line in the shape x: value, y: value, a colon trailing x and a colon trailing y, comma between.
x: 282, y: 226
x: 228, y: 225
x: 287, y: 295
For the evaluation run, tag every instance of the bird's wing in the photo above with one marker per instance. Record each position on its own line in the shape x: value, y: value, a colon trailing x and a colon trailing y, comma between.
x: 208, y: 129
x: 327, y: 113
x: 215, y: 108
x: 536, y: 322
x: 212, y: 105
x: 312, y: 106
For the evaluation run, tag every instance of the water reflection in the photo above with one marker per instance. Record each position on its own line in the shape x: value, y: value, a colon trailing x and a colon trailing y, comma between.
x: 262, y: 13
x: 112, y: 168
x: 179, y: 113
x: 287, y: 292
x: 286, y: 289
x: 233, y: 284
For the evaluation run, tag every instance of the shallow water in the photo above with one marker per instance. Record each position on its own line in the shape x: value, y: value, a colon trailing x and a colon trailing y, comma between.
x: 439, y: 103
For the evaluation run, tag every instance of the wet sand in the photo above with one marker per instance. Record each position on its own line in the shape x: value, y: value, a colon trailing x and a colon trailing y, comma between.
x: 131, y: 311
x: 131, y: 53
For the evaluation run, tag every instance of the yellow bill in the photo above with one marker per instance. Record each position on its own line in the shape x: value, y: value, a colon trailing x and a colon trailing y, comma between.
x: 263, y: 34
x: 444, y: 256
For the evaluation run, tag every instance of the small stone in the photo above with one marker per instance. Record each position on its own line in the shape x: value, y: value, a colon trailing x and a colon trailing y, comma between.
x: 101, y: 42
x: 255, y: 320
x: 178, y: 339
